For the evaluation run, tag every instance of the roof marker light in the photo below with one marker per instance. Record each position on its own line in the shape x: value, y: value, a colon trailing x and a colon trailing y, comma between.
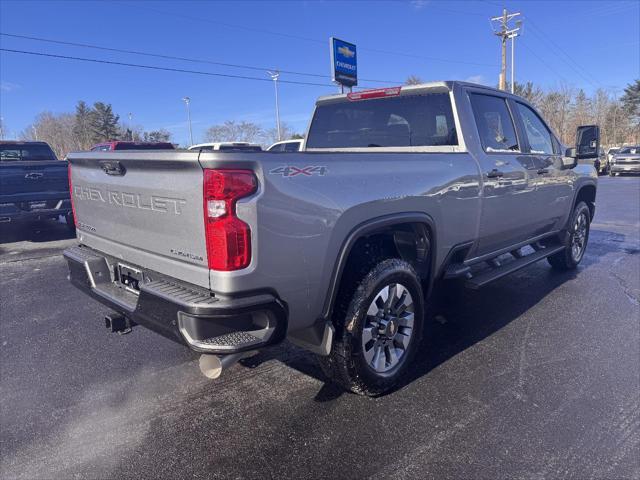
x: 377, y: 93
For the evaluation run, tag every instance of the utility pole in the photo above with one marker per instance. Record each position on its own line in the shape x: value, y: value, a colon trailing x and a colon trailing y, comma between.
x: 274, y: 76
x: 504, y: 33
x: 187, y: 102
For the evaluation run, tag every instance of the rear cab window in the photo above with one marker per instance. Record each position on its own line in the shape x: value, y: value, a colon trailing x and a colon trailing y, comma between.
x: 409, y: 120
x: 291, y: 147
x: 495, y: 125
x: 26, y: 153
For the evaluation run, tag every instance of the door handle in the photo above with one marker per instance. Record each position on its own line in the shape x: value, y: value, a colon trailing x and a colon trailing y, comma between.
x: 495, y: 173
x: 542, y: 171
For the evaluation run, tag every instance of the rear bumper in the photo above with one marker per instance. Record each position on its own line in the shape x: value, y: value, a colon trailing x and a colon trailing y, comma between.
x: 184, y: 313
x: 22, y: 211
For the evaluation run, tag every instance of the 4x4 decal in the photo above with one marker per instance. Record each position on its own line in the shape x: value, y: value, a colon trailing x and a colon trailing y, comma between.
x: 292, y: 171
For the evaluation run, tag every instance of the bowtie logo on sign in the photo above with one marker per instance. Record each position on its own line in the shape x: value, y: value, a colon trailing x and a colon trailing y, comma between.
x: 346, y: 52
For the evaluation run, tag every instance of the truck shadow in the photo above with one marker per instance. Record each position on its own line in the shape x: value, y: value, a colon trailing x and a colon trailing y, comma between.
x: 458, y: 318
x: 41, y: 231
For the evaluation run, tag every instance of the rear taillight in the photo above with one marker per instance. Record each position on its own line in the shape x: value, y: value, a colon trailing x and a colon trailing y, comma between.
x: 228, y: 238
x: 73, y: 208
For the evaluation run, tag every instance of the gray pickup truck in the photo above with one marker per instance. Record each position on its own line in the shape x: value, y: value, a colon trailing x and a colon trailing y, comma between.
x: 336, y: 247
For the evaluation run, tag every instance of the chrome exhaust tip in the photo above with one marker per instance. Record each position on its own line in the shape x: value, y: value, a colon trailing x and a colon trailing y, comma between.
x: 212, y: 366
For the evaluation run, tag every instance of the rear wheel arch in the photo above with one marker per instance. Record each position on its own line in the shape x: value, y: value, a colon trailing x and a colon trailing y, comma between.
x: 408, y: 236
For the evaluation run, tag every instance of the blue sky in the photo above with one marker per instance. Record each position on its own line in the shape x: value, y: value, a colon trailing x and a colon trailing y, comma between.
x: 586, y: 44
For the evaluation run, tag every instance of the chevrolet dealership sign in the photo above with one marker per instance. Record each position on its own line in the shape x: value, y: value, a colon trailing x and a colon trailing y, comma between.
x: 344, y: 62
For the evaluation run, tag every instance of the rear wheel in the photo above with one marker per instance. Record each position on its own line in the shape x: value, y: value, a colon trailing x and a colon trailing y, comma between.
x: 378, y: 333
x: 570, y: 257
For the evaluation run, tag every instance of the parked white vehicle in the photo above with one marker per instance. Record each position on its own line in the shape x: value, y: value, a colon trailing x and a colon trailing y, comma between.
x: 287, y: 146
x: 226, y: 146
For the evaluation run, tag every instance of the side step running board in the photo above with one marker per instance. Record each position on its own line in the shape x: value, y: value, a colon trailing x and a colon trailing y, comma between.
x: 506, y: 269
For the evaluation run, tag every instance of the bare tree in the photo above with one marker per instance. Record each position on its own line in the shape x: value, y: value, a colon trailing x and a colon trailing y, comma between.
x: 160, y: 135
x: 270, y: 136
x: 529, y: 91
x: 56, y: 130
x: 413, y: 80
x: 555, y: 107
x: 130, y: 133
x: 232, y: 131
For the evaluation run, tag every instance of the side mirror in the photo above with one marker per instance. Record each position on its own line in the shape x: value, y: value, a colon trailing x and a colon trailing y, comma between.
x: 570, y: 159
x: 588, y: 141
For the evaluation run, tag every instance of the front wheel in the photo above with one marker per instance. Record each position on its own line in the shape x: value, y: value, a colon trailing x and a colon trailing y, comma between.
x: 378, y: 334
x: 570, y: 257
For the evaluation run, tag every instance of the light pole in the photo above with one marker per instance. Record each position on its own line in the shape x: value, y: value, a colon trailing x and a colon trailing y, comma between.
x: 513, y: 46
x: 187, y: 102
x: 274, y: 76
x: 513, y: 57
x: 130, y: 127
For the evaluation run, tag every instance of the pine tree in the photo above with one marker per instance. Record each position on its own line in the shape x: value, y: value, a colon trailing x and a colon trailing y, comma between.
x: 104, y: 123
x: 82, y: 125
x: 631, y: 98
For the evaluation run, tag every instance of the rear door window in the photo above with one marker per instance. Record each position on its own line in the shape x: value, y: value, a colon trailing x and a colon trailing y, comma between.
x: 402, y: 121
x: 495, y: 125
x: 538, y: 135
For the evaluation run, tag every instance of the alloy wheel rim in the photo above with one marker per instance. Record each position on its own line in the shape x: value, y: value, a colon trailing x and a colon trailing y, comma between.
x: 579, y: 238
x: 388, y: 328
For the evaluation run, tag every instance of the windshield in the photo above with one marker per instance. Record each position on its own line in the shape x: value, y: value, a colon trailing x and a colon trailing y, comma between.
x: 26, y: 152
x: 404, y: 121
x: 632, y: 150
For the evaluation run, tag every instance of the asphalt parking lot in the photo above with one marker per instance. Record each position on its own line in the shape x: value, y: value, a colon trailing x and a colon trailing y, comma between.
x: 535, y: 376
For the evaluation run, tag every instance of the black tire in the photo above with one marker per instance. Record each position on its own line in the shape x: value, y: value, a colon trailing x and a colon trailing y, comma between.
x: 611, y: 174
x: 569, y: 258
x: 347, y: 364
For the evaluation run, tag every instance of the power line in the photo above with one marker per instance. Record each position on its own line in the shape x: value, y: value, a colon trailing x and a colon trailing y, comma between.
x: 309, y: 39
x: 167, y: 69
x: 543, y: 36
x: 185, y: 59
x: 543, y: 61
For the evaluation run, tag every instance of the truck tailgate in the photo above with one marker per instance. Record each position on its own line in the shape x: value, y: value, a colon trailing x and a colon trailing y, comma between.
x: 37, y: 180
x: 143, y: 207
